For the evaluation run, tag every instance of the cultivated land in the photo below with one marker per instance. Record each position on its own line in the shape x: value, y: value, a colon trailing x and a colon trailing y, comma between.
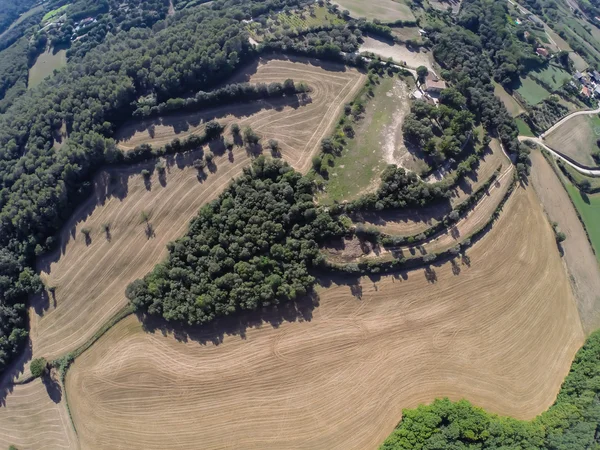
x: 501, y: 333
x: 378, y: 142
x: 45, y: 65
x: 589, y: 209
x: 299, y: 127
x: 413, y: 222
x: 578, y: 256
x: 384, y: 10
x: 576, y: 138
x: 399, y: 53
x: 513, y: 107
x: 34, y: 416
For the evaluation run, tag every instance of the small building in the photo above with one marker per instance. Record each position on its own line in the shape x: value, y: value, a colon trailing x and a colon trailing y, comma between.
x: 518, y: 22
x: 542, y: 52
x: 597, y: 91
x: 526, y: 34
x: 434, y: 85
x: 596, y: 76
x: 578, y: 75
x: 585, y: 92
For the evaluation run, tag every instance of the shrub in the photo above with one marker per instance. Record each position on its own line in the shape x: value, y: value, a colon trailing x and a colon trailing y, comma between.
x: 38, y: 367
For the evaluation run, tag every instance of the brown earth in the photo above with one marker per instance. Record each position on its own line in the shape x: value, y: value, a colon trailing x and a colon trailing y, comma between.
x: 412, y: 222
x: 501, y: 332
x: 299, y: 126
x: 399, y: 53
x: 579, y: 258
x: 576, y: 138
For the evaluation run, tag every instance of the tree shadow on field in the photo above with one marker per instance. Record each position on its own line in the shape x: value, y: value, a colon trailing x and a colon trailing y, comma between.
x: 13, y: 371
x: 236, y: 325
x: 52, y: 387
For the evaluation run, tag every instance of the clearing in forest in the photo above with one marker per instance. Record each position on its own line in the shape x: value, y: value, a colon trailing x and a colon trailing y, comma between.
x: 398, y: 52
x: 45, y: 65
x: 410, y: 222
x: 531, y: 91
x: 377, y: 142
x: 385, y: 10
x: 298, y: 126
x: 499, y: 329
x: 577, y: 138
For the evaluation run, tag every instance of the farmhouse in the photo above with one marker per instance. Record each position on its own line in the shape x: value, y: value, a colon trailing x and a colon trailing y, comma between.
x: 434, y: 85
x: 542, y: 52
x: 585, y: 91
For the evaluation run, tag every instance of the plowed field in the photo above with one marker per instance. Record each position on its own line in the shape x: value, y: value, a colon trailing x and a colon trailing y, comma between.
x: 299, y: 127
x: 501, y: 332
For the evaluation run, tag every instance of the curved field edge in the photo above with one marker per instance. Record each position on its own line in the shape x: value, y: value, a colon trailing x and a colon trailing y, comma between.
x: 571, y: 421
x: 502, y: 333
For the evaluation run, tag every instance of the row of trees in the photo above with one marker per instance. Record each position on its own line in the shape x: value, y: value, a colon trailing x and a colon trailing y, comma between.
x: 570, y: 424
x: 252, y: 247
x: 227, y: 94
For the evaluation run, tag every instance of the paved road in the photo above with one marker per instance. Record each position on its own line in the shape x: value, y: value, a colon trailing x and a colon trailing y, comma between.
x: 540, y: 142
x: 567, y: 118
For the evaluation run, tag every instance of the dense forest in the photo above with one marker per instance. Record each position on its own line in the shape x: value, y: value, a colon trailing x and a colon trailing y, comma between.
x: 252, y: 247
x: 570, y: 424
x: 10, y: 10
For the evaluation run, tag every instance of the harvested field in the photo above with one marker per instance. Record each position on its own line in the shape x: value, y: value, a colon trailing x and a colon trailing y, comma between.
x: 34, y: 416
x: 399, y: 53
x: 476, y: 218
x: 501, y: 333
x: 385, y: 10
x: 406, y: 33
x: 411, y: 222
x: 579, y: 258
x: 298, y: 126
x: 576, y: 138
x: 90, y: 277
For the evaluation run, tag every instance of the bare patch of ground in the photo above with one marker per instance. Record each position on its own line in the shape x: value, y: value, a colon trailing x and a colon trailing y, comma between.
x: 579, y: 258
x: 500, y: 330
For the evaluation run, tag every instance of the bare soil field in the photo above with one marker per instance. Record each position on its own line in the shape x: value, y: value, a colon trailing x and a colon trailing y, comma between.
x: 397, y: 52
x: 90, y: 276
x: 412, y: 222
x: 579, y: 258
x: 34, y: 416
x: 576, y: 138
x: 501, y: 331
x: 298, y: 126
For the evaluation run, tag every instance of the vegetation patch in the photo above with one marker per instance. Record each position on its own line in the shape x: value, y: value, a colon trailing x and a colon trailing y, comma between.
x: 589, y: 209
x: 45, y: 65
x: 513, y: 107
x: 524, y: 128
x: 252, y: 247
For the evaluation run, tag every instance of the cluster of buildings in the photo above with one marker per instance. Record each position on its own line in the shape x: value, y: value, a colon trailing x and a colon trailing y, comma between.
x: 430, y: 89
x: 589, y: 82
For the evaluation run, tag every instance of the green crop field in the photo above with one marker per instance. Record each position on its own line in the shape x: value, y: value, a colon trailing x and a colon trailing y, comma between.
x: 384, y: 10
x: 589, y: 209
x: 54, y: 13
x: 532, y: 92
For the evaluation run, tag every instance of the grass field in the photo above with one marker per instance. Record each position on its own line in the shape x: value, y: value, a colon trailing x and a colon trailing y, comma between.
x: 513, y: 107
x: 406, y: 33
x: 298, y: 127
x: 501, y: 333
x: 532, y: 92
x: 407, y: 222
x: 384, y: 10
x: 397, y: 52
x: 45, y: 65
x: 589, y: 209
x: 577, y: 138
x: 55, y: 13
x: 552, y: 75
x: 524, y: 129
x: 378, y: 142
